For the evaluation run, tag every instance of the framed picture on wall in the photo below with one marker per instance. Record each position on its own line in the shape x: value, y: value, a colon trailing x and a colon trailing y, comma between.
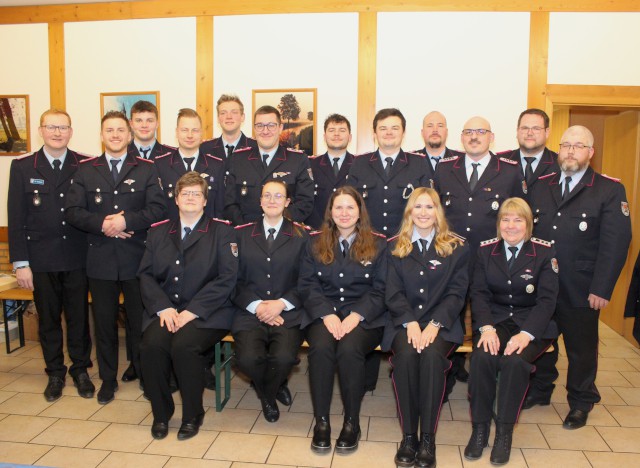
x: 123, y: 101
x: 15, y: 135
x: 298, y: 110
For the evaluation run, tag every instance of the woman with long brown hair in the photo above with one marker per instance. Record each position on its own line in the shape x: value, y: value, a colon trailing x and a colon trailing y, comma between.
x: 342, y: 280
x: 427, y: 280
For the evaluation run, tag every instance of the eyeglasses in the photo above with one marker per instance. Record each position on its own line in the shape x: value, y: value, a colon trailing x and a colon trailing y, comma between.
x: 271, y: 126
x: 191, y: 193
x: 273, y: 196
x: 477, y: 131
x: 577, y: 146
x: 535, y: 130
x: 60, y: 128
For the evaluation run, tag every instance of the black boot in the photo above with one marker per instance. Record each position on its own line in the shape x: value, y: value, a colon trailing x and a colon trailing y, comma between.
x: 502, y: 444
x: 406, y: 454
x: 321, y: 442
x: 426, y: 457
x: 349, y: 436
x: 478, y: 441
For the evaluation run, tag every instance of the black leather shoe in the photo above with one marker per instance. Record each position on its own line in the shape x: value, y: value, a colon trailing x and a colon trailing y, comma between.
x: 107, y: 391
x: 406, y: 454
x: 462, y: 375
x: 501, y: 450
x: 159, y: 430
x: 349, y: 436
x: 321, y: 442
x: 270, y: 410
x: 130, y: 374
x: 532, y: 400
x: 173, y: 383
x: 478, y: 441
x: 209, y: 379
x: 54, y: 388
x: 190, y: 428
x: 85, y: 386
x: 284, y: 395
x: 426, y: 456
x: 575, y: 419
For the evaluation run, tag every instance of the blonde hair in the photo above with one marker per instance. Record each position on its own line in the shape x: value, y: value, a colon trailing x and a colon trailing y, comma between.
x: 445, y: 241
x: 54, y: 111
x: 518, y: 207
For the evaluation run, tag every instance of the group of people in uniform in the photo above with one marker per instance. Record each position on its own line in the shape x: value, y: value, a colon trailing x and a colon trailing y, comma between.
x: 386, y: 249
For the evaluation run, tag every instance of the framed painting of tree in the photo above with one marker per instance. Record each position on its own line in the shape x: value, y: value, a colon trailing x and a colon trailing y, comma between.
x: 298, y: 110
x: 15, y: 136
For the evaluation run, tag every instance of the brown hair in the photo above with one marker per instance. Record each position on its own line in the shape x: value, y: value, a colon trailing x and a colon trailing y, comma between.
x: 54, y: 111
x: 229, y: 98
x: 143, y: 106
x: 192, y: 178
x: 363, y: 248
x: 297, y: 230
x: 189, y: 113
x: 518, y: 207
x: 389, y: 112
x: 264, y: 110
x: 115, y: 115
x: 338, y: 119
x: 535, y: 111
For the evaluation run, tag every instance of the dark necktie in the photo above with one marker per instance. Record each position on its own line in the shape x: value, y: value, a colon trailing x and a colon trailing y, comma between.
x: 265, y: 156
x: 436, y: 160
x: 425, y: 246
x: 566, y: 191
x: 56, y: 169
x: 387, y: 168
x: 145, y: 152
x: 345, y: 247
x: 114, y: 169
x: 473, y: 181
x: 229, y: 150
x: 528, y: 170
x: 336, y: 169
x: 271, y: 238
x: 512, y: 260
x: 189, y: 162
x: 187, y: 231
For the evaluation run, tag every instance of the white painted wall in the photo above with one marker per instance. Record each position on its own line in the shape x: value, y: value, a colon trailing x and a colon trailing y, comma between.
x: 25, y: 70
x: 594, y: 49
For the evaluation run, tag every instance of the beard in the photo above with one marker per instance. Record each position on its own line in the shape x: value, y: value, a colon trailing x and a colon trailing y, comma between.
x: 572, y: 166
x: 337, y: 146
x: 435, y: 144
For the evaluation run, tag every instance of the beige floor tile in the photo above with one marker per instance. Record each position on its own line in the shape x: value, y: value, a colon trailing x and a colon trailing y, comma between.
x: 527, y: 436
x: 6, y: 378
x: 253, y: 465
x: 460, y: 410
x: 515, y: 461
x: 209, y: 397
x: 252, y: 448
x: 631, y: 396
x: 562, y: 363
x: 302, y: 404
x: 72, y: 407
x: 133, y: 460
x: 289, y: 424
x: 4, y: 396
x: 559, y: 394
x: 297, y: 451
x: 626, y: 416
x: 379, y: 454
x: 621, y: 439
x: 300, y: 383
x: 448, y: 456
x: 585, y: 438
x: 231, y: 420
x: 127, y: 390
x: 538, y: 458
x: 27, y: 346
x: 633, y: 377
x: 174, y: 422
x: 67, y: 457
x: 617, y: 351
x: 32, y: 366
x: 612, y: 460
x: 608, y: 396
x: 123, y: 438
x: 33, y: 352
x: 23, y: 454
x: 445, y: 412
x: 614, y: 364
x: 599, y: 416
x: 123, y: 411
x: 384, y: 407
x: 454, y: 432
x: 195, y: 447
x: 29, y: 383
x: 384, y: 387
x: 460, y: 391
x: 10, y: 363
x: 540, y: 415
x: 384, y: 430
x: 17, y: 428
x: 635, y: 362
x: 70, y: 433
x: 250, y: 401
x: 177, y: 462
x: 611, y: 379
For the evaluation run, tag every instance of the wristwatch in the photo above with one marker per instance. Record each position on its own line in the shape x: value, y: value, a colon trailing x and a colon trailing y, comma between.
x: 486, y: 328
x: 435, y: 324
x: 19, y: 268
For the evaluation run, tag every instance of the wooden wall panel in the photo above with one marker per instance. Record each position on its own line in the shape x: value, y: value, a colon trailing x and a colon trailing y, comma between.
x: 367, y: 58
x: 57, y: 81
x: 538, y: 59
x: 204, y: 73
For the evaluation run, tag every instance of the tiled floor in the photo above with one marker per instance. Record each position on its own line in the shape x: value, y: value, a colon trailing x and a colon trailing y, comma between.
x: 75, y: 432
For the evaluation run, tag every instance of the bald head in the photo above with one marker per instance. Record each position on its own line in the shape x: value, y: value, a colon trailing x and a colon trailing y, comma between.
x: 578, y: 133
x: 477, y: 122
x: 576, y: 149
x: 477, y: 137
x: 434, y: 132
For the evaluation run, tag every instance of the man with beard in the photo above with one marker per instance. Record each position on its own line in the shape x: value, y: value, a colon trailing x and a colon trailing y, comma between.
x: 230, y: 118
x: 586, y: 216
x: 331, y: 168
x: 434, y: 133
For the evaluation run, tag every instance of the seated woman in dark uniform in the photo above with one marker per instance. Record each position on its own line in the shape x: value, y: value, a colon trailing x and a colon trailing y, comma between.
x: 342, y: 282
x: 266, y: 327
x: 513, y: 297
x: 427, y: 282
x: 187, y: 275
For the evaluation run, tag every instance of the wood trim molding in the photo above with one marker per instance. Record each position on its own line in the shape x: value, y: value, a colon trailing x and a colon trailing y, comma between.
x: 204, y: 73
x: 4, y: 234
x: 57, y: 76
x: 538, y: 58
x: 592, y: 95
x: 367, y: 63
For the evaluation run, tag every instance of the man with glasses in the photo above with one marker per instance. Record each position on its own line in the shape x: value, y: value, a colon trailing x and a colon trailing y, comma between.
x: 586, y: 216
x: 230, y: 118
x: 434, y: 133
x: 49, y: 255
x: 251, y: 167
x: 115, y: 198
x: 144, y: 124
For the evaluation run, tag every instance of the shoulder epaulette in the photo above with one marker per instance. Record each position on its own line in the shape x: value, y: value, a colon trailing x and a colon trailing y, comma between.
x: 302, y: 225
x: 171, y: 147
x: 610, y: 178
x: 293, y: 150
x: 547, y: 176
x: 214, y: 157
x: 162, y: 156
x: 206, y: 141
x: 159, y: 223
x: 508, y: 161
x: 89, y: 159
x: 238, y: 150
x: 244, y: 225
x: 84, y: 155
x: 24, y: 156
x: 535, y: 240
x: 463, y: 239
x: 378, y: 234
x: 502, y: 153
x: 145, y: 160
x: 449, y: 159
x: 391, y: 239
x: 488, y: 241
x: 363, y: 154
x: 316, y: 156
x: 223, y: 221
x: 314, y: 233
x: 421, y: 155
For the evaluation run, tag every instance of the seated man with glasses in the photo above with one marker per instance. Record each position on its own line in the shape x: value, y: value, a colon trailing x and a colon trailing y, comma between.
x: 250, y: 168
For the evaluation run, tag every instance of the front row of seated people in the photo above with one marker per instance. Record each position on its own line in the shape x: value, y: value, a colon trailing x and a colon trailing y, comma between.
x: 346, y: 290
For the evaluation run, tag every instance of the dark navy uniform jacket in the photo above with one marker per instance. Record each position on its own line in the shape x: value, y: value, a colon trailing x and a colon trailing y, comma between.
x: 157, y: 151
x: 94, y: 195
x: 384, y: 196
x: 473, y: 213
x: 527, y: 294
x: 170, y: 168
x: 448, y: 153
x: 344, y: 286
x: 197, y: 274
x: 427, y: 288
x: 38, y: 232
x: 591, y: 231
x: 216, y: 148
x: 548, y: 164
x: 246, y: 176
x: 325, y: 183
x: 268, y: 274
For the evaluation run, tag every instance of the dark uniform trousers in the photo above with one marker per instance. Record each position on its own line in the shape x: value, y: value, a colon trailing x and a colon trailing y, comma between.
x: 56, y: 252
x: 112, y: 263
